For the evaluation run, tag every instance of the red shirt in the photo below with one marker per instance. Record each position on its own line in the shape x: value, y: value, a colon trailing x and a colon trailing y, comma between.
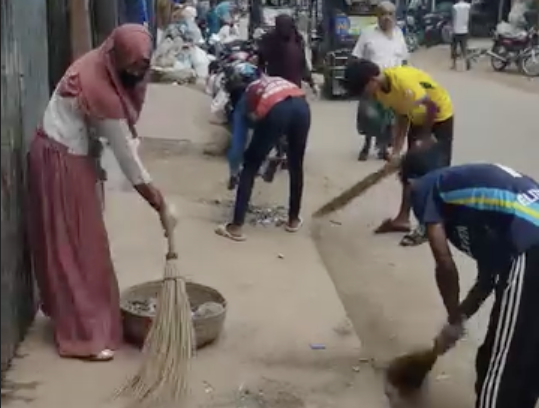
x: 264, y: 93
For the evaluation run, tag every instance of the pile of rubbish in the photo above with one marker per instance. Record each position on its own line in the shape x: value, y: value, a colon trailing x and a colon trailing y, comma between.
x: 517, y: 23
x: 183, y: 54
x: 148, y: 308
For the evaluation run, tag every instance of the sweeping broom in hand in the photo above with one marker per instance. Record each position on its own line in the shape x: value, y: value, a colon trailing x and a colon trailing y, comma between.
x: 407, y: 374
x: 358, y: 189
x: 162, y: 377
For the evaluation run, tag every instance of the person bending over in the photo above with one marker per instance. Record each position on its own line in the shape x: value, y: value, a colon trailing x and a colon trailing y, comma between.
x: 424, y: 110
x: 276, y: 107
x: 491, y: 213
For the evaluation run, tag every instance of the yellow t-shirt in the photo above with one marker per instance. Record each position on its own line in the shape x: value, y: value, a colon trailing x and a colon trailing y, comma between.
x: 408, y: 86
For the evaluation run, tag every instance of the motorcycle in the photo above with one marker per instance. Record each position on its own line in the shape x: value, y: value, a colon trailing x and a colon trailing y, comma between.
x: 519, y: 48
x: 530, y: 62
x: 409, y: 31
x: 438, y: 28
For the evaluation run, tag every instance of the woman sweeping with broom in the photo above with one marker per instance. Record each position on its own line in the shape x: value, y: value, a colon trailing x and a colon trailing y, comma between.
x: 100, y: 97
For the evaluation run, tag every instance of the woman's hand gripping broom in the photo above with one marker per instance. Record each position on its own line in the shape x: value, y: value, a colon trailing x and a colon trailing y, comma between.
x: 162, y: 379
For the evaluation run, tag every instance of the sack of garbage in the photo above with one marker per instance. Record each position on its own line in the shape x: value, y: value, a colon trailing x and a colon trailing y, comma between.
x: 508, y: 30
x: 228, y: 33
x: 217, y: 107
x: 213, y: 84
x: 191, y: 31
x: 517, y: 15
x: 200, y: 61
x: 165, y: 55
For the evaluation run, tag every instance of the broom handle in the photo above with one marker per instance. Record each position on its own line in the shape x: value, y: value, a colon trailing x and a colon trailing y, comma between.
x: 357, y: 189
x: 172, y: 253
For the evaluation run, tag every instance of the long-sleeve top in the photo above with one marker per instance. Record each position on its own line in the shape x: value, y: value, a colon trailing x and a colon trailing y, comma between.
x: 240, y: 134
x: 285, y: 59
x: 65, y: 123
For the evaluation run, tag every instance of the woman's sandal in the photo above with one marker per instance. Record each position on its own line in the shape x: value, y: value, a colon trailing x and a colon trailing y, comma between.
x: 102, y: 356
x: 288, y: 228
x: 222, y: 230
x: 388, y: 226
x: 414, y: 238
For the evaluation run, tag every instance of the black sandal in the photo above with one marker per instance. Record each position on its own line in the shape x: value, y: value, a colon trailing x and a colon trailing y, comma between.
x: 415, y: 238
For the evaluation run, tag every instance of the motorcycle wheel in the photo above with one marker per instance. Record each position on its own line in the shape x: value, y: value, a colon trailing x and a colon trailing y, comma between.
x: 412, y: 42
x: 497, y: 64
x: 529, y: 64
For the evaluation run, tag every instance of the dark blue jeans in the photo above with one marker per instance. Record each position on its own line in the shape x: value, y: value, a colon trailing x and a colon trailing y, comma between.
x: 291, y: 118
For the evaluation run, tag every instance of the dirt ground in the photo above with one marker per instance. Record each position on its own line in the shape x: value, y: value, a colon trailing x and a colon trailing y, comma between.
x: 286, y: 293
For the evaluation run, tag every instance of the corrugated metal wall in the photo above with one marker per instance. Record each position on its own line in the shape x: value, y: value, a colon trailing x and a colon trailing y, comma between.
x: 60, y: 51
x: 24, y: 93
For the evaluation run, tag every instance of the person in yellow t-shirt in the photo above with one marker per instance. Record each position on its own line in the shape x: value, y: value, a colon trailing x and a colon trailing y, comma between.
x: 424, y: 115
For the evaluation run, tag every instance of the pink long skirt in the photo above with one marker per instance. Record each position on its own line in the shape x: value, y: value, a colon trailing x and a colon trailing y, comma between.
x: 70, y: 250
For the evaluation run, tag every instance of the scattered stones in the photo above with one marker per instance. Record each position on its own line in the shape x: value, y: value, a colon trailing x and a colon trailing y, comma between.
x: 256, y: 215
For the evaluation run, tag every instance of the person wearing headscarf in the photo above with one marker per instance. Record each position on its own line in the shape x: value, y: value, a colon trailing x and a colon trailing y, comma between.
x: 282, y: 52
x: 382, y: 43
x: 100, y: 97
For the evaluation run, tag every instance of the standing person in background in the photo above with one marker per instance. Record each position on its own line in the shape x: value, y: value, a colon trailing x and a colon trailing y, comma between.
x: 383, y: 44
x: 212, y: 19
x: 282, y: 53
x: 224, y: 10
x: 461, y: 23
x: 100, y: 97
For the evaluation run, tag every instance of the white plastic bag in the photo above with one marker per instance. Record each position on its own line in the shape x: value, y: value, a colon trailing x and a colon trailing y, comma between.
x: 159, y: 37
x: 212, y: 84
x: 217, y: 107
x: 200, y: 61
x: 228, y: 34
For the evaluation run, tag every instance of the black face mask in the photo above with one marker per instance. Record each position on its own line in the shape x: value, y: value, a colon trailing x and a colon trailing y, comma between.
x: 130, y: 80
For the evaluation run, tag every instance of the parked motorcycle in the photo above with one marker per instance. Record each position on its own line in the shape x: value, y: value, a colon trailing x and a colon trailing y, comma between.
x: 529, y: 64
x: 438, y: 29
x: 409, y: 30
x: 518, y: 48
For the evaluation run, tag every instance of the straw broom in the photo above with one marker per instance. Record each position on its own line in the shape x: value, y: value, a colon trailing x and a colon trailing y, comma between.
x: 162, y: 378
x: 407, y: 373
x: 358, y: 189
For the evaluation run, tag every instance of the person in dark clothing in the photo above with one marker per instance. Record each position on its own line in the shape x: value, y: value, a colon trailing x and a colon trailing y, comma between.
x: 275, y: 107
x: 282, y: 53
x: 491, y: 213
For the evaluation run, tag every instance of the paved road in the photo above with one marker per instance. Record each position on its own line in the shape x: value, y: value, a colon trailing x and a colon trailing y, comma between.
x: 389, y: 292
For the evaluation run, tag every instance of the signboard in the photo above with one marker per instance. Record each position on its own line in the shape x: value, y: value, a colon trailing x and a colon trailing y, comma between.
x: 357, y: 23
x: 352, y: 25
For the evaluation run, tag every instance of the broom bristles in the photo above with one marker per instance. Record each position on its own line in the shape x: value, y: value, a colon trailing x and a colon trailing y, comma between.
x: 408, y: 373
x: 163, y: 375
